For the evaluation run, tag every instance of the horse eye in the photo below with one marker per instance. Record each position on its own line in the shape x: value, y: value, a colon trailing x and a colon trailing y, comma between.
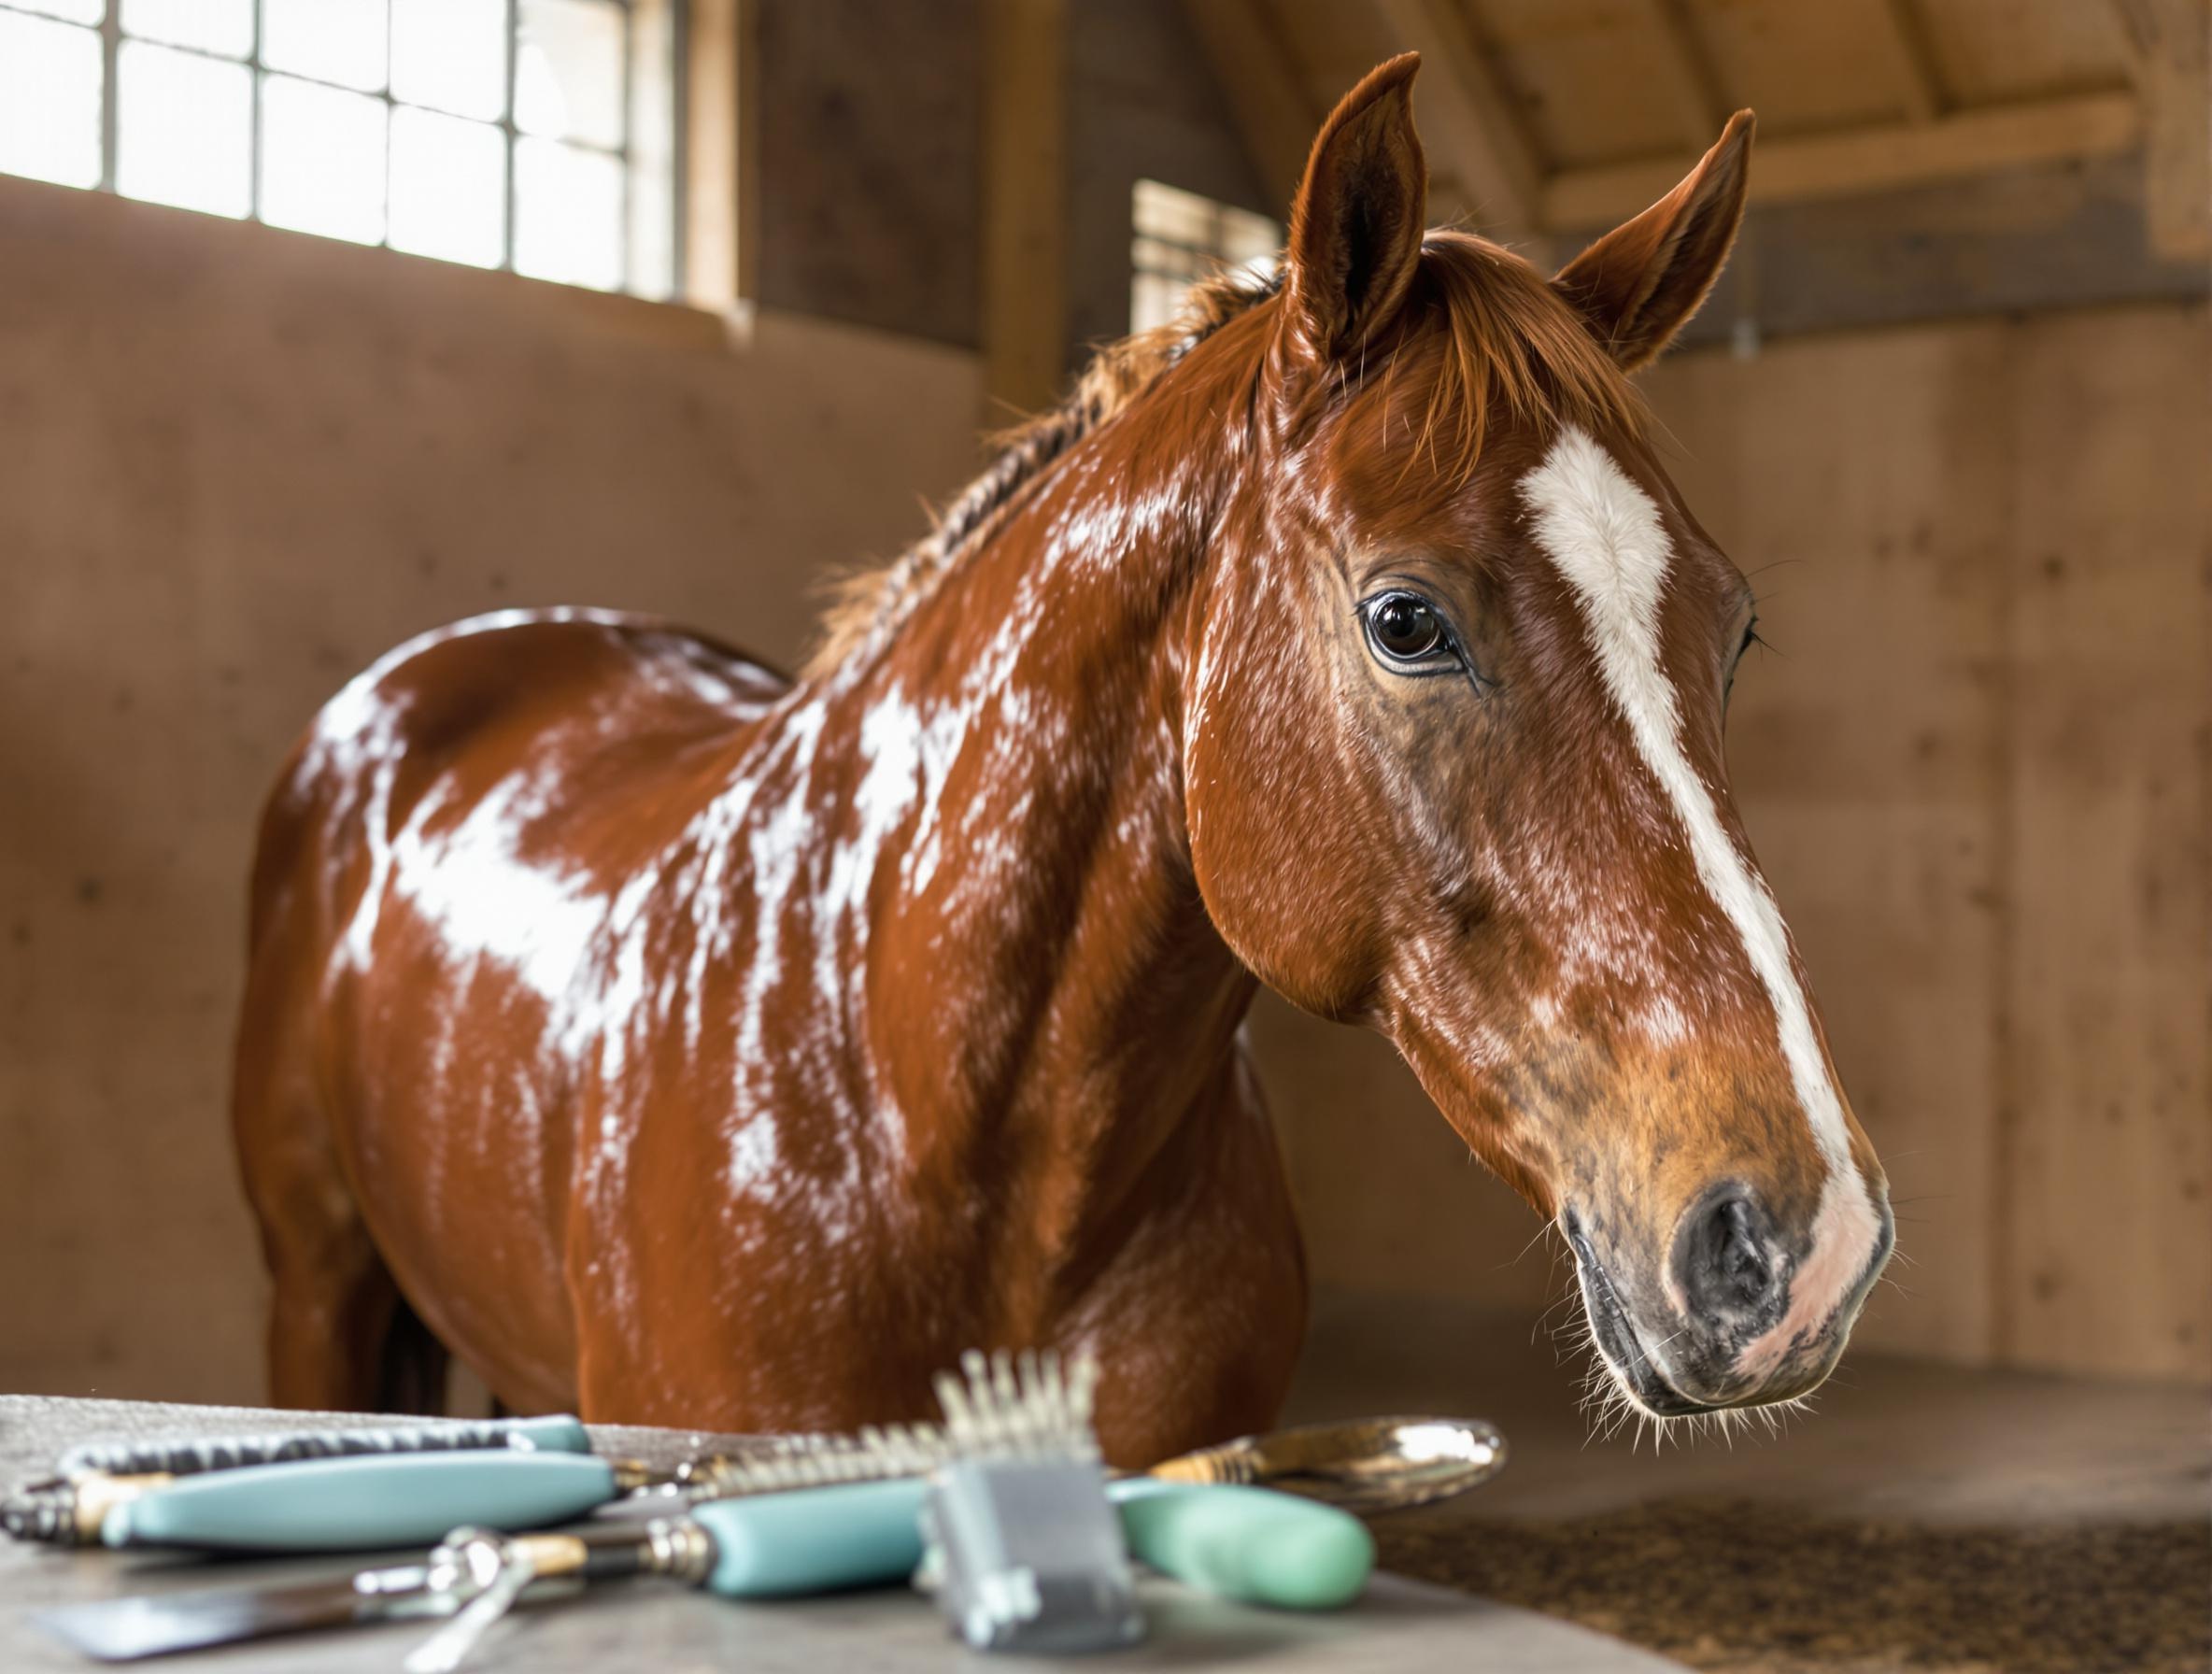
x: 1404, y: 627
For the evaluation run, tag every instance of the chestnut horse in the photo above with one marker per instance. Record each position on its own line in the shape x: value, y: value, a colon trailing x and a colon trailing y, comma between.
x: 685, y: 1044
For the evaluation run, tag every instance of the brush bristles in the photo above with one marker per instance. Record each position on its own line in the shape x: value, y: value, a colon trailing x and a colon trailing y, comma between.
x: 1010, y: 1406
x: 1020, y: 1406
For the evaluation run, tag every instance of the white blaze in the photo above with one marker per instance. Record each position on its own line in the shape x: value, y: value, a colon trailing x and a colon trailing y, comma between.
x: 1605, y: 536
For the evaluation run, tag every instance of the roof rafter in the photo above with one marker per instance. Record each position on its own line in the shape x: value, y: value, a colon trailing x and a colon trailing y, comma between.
x: 1925, y: 98
x: 1876, y: 159
x: 1470, y: 118
x: 1702, y: 107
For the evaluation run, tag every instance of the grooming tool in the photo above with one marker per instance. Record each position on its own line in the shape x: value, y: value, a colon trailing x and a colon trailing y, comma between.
x: 68, y: 1507
x: 1367, y: 1464
x: 1024, y: 1549
x: 772, y: 1546
x: 359, y: 1504
x: 1250, y: 1544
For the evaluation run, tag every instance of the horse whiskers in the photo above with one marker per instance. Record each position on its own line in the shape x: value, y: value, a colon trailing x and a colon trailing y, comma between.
x: 1611, y: 1409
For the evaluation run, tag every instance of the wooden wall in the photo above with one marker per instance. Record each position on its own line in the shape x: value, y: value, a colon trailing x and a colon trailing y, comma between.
x: 235, y: 466
x: 1978, y: 771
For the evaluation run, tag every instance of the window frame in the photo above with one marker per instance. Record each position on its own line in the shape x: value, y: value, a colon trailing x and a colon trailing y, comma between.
x: 1225, y: 226
x: 625, y: 154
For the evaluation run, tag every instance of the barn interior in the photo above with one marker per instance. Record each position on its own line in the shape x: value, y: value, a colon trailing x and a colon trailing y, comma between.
x: 1950, y: 409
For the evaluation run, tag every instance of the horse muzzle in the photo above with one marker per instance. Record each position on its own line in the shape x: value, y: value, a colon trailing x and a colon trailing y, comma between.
x: 1742, y: 1313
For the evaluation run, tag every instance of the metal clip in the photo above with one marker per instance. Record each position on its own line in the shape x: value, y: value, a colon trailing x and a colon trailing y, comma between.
x: 1024, y: 1554
x: 483, y: 1574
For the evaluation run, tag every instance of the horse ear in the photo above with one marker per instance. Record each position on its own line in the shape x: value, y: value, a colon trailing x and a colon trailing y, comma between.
x: 1639, y: 284
x: 1356, y: 226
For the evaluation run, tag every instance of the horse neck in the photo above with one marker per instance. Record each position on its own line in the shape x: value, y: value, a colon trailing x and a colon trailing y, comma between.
x: 1019, y: 784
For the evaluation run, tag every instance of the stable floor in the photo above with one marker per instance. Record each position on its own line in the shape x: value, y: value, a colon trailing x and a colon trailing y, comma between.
x: 1922, y: 1517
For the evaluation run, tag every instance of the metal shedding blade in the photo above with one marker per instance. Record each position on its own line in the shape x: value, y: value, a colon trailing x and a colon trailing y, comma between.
x: 122, y: 1630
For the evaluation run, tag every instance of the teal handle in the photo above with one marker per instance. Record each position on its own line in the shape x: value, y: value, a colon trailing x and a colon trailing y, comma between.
x: 342, y: 1505
x: 558, y: 1433
x: 1251, y: 1544
x: 814, y: 1539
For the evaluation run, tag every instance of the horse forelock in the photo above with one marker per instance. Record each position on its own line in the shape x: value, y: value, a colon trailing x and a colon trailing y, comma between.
x: 1497, y: 339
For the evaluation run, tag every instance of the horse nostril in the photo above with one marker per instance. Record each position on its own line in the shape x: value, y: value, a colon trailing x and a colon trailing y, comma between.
x: 1743, y: 1264
x: 1724, y: 1262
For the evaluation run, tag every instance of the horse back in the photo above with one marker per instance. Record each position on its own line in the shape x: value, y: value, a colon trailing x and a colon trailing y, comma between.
x: 435, y: 873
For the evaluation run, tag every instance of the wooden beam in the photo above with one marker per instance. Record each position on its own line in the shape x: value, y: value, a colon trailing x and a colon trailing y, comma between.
x: 1702, y: 107
x: 721, y: 182
x: 1862, y: 160
x: 1025, y: 204
x: 1921, y: 82
x: 2165, y: 43
x: 1271, y: 107
x: 1470, y: 119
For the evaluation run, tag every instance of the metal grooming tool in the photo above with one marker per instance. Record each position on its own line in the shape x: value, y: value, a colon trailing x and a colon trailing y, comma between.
x: 1365, y: 1465
x: 1025, y: 1550
x: 780, y: 1545
x: 68, y: 1507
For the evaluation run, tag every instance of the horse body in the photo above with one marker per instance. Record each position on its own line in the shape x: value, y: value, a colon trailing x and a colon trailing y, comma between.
x: 683, y: 1044
x: 770, y: 1068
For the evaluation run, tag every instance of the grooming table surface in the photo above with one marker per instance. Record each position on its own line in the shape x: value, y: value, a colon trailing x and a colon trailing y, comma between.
x: 1398, y: 1624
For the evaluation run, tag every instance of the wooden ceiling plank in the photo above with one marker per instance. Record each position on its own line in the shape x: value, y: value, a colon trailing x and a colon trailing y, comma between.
x: 1469, y: 118
x: 1702, y: 107
x: 1270, y: 104
x: 1873, y: 159
x: 2171, y: 63
x: 1921, y: 81
x: 2135, y: 28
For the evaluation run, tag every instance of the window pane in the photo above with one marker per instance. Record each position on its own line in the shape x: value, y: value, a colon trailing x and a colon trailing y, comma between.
x: 76, y: 12
x: 568, y: 71
x: 331, y: 40
x: 448, y: 188
x: 652, y: 144
x: 323, y: 160
x: 185, y: 130
x: 50, y: 101
x: 451, y: 54
x: 224, y: 26
x: 568, y: 214
x: 1169, y: 212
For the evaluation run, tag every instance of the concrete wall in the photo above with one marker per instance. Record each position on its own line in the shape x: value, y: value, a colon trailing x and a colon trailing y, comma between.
x: 236, y: 464
x: 1978, y: 768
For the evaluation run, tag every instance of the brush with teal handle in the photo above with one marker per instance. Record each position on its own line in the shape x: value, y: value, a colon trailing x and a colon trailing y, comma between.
x: 359, y: 1504
x: 69, y: 1508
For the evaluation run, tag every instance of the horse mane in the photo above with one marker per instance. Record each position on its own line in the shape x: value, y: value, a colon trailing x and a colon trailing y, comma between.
x: 1510, y: 342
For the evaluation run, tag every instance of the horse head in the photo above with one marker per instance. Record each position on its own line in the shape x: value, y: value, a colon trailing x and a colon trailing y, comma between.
x: 1459, y: 661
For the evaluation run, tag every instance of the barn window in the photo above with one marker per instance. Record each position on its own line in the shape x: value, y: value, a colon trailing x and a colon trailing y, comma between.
x: 1180, y: 237
x: 532, y: 134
